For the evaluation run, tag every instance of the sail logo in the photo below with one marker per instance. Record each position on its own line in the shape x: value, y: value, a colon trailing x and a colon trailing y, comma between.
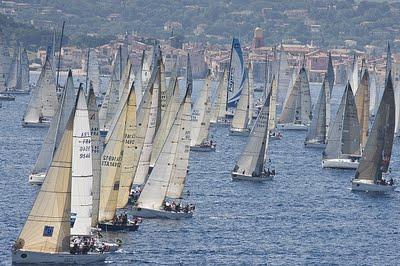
x: 48, y: 231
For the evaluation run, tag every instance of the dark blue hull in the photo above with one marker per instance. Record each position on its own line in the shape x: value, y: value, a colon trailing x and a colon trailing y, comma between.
x: 118, y: 227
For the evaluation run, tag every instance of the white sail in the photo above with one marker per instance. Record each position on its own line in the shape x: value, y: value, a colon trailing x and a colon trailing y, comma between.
x: 218, y: 112
x: 236, y: 74
x: 155, y: 189
x: 33, y: 111
x: 283, y: 75
x: 47, y: 228
x: 374, y: 93
x: 251, y: 92
x: 201, y: 114
x: 154, y: 121
x: 241, y: 117
x: 24, y: 72
x: 164, y: 90
x: 166, y: 123
x: 353, y: 75
x: 47, y: 87
x: 146, y: 68
x: 12, y: 79
x: 82, y: 170
x: 96, y: 152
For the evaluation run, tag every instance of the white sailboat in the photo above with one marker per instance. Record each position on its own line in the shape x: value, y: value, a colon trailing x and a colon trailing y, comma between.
x: 201, y: 115
x: 378, y: 149
x: 18, y: 76
x: 56, y: 130
x: 343, y: 146
x: 296, y: 114
x: 218, y: 113
x: 251, y: 163
x: 241, y: 121
x: 45, y: 237
x: 317, y: 135
x: 169, y: 173
x: 43, y: 103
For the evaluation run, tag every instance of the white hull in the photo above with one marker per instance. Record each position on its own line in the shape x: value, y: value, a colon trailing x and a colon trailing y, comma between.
x: 369, y: 186
x: 38, y: 124
x: 36, y: 179
x: 29, y: 257
x: 239, y: 132
x: 314, y: 144
x: 292, y: 127
x: 237, y: 176
x: 340, y: 163
x: 160, y: 214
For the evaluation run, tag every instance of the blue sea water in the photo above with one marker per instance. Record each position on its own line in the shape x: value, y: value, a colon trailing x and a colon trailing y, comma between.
x: 305, y: 216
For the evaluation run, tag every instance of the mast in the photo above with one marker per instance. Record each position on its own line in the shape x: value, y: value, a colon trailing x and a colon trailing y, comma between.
x: 87, y: 70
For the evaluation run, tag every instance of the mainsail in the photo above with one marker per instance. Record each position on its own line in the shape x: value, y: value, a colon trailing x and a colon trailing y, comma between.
x: 272, y: 104
x: 353, y: 74
x: 4, y: 62
x: 236, y: 74
x: 344, y: 134
x: 82, y: 170
x: 378, y: 149
x: 330, y: 74
x: 297, y: 108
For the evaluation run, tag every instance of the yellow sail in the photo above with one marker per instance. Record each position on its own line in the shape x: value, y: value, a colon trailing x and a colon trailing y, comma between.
x: 47, y: 228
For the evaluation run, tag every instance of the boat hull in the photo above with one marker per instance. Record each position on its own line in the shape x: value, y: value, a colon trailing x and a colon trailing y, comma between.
x: 238, y: 176
x: 239, y: 132
x: 32, y: 125
x: 36, y: 179
x: 369, y: 186
x: 30, y: 257
x: 160, y: 214
x: 115, y: 227
x: 340, y: 163
x: 202, y: 148
x: 299, y: 127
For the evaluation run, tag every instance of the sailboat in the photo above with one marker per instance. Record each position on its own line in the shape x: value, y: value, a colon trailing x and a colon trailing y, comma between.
x: 53, y: 137
x: 362, y: 104
x: 378, y: 149
x: 45, y: 237
x: 4, y: 63
x: 241, y: 121
x: 218, y: 113
x: 43, y: 103
x: 343, y: 146
x: 296, y: 114
x: 273, y: 133
x: 18, y: 75
x: 317, y: 135
x: 251, y: 164
x: 116, y: 164
x: 201, y: 115
x: 236, y: 76
x: 167, y: 179
x: 283, y: 74
x: 375, y: 94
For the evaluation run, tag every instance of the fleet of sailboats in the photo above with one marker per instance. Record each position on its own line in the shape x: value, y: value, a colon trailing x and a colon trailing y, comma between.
x: 132, y: 153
